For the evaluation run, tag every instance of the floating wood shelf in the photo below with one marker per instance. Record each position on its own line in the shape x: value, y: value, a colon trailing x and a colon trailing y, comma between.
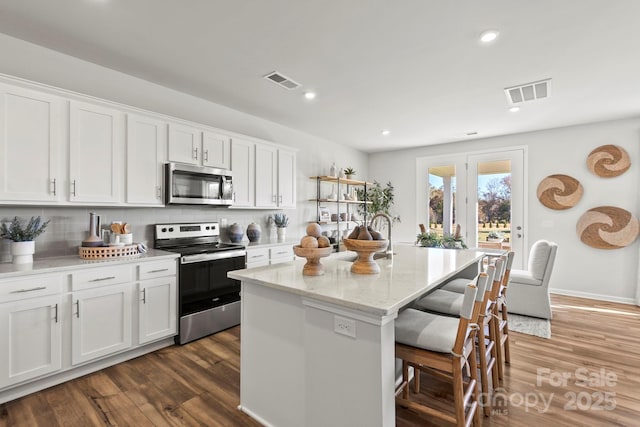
x: 337, y: 180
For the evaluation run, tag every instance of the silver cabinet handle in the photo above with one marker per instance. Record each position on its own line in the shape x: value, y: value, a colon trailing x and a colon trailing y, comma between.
x: 20, y: 291
x: 73, y: 185
x: 54, y: 186
x: 158, y: 192
x: 78, y: 308
x: 281, y: 199
x: 158, y: 271
x: 102, y: 279
x: 256, y: 256
x: 273, y: 198
x: 206, y: 155
x: 55, y: 307
x: 196, y: 153
x: 280, y: 253
x: 144, y: 295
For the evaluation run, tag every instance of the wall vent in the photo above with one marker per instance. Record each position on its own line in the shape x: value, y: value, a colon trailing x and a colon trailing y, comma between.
x: 528, y: 92
x: 282, y: 80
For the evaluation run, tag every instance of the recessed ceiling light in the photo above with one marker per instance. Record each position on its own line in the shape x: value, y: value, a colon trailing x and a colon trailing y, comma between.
x: 385, y: 132
x: 514, y: 109
x: 489, y: 36
x: 310, y: 95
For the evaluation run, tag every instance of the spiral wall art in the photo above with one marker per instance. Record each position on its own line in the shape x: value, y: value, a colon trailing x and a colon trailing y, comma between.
x: 559, y: 192
x: 608, y: 161
x: 607, y: 227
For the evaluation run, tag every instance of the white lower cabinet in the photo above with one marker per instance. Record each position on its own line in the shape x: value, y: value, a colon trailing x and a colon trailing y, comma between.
x: 31, y: 336
x: 157, y: 316
x: 100, y: 322
x: 265, y: 255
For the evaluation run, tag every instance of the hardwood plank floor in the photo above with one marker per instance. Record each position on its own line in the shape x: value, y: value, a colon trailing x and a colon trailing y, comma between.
x: 588, y: 373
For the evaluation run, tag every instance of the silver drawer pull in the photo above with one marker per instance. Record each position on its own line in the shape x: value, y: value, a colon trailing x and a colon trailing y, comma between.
x: 102, y: 279
x: 39, y: 288
x: 158, y: 271
x: 283, y: 252
x: 257, y: 256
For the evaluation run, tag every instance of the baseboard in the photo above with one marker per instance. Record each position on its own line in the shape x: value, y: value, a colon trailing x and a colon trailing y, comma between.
x: 598, y: 297
x: 256, y: 417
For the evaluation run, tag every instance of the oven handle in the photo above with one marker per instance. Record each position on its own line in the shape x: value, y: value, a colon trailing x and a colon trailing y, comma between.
x: 189, y: 259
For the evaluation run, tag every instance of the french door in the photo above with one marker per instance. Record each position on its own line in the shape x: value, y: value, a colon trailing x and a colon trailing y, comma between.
x: 480, y: 194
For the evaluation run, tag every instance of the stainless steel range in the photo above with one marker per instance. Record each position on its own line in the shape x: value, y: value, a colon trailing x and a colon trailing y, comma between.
x: 208, y: 300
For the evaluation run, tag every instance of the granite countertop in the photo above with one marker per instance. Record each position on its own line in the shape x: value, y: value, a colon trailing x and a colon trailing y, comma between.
x: 412, y: 272
x: 56, y: 264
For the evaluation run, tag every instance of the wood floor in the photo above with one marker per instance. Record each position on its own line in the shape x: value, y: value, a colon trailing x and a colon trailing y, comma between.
x: 588, y: 373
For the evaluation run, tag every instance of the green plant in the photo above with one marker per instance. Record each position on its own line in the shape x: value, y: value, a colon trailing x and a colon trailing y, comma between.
x: 380, y: 198
x: 450, y: 241
x: 280, y: 220
x: 494, y: 235
x: 349, y: 171
x: 17, y: 232
x: 428, y: 240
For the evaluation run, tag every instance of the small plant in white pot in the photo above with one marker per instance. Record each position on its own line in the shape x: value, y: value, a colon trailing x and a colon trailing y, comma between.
x: 281, y: 221
x: 23, y: 237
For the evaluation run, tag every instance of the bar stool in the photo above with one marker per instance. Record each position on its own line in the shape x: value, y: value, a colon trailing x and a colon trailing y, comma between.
x: 501, y: 319
x: 443, y: 346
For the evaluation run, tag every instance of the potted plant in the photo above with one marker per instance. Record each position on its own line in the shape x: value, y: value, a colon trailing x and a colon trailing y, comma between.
x: 428, y: 240
x: 281, y: 221
x: 450, y: 241
x: 23, y: 237
x: 494, y: 236
x: 349, y: 172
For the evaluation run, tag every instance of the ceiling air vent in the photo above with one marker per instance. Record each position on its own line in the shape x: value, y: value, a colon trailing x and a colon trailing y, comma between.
x: 528, y: 92
x: 282, y: 80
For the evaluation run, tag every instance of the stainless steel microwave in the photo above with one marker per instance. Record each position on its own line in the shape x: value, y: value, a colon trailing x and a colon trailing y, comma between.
x: 197, y: 185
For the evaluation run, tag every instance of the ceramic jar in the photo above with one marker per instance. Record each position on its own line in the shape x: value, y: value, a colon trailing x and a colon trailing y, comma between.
x: 235, y: 233
x: 253, y: 232
x: 22, y: 252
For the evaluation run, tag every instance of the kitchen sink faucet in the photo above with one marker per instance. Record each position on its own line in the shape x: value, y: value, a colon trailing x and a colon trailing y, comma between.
x: 389, y: 251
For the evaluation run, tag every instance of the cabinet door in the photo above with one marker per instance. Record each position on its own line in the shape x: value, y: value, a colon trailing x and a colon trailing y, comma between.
x: 243, y: 167
x: 146, y: 148
x: 184, y: 144
x: 95, y: 153
x: 31, y: 338
x: 30, y: 126
x: 216, y: 150
x: 157, y: 314
x: 266, y: 176
x: 100, y: 322
x: 286, y: 179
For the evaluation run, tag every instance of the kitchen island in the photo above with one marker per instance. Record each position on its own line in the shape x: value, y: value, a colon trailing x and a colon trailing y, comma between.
x: 319, y: 351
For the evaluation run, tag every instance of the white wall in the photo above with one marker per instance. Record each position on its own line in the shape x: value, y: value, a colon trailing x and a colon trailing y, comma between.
x: 315, y: 155
x: 580, y: 270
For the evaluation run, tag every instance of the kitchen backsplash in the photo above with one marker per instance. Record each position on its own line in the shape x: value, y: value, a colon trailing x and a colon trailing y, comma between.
x: 69, y: 225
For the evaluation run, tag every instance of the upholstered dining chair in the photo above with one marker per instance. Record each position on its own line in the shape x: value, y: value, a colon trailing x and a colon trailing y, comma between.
x: 442, y: 345
x: 529, y: 289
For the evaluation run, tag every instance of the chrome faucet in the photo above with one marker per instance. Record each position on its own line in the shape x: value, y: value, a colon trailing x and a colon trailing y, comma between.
x: 389, y: 251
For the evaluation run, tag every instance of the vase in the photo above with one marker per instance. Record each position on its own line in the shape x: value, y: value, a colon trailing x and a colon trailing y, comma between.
x: 282, y: 233
x: 253, y: 232
x: 235, y: 233
x: 22, y: 252
x: 332, y: 171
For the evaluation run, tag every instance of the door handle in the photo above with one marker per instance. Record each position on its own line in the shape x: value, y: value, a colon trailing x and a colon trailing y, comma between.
x: 78, y: 308
x: 144, y: 295
x: 55, y: 307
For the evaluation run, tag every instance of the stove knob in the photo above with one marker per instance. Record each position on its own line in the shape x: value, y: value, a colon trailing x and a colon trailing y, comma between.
x: 164, y: 230
x: 207, y: 227
x: 170, y: 229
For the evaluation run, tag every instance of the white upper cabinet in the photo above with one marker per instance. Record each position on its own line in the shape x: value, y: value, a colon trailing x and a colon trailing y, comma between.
x: 243, y: 167
x: 146, y: 155
x: 216, y: 150
x: 95, y: 153
x: 185, y: 144
x: 266, y: 176
x: 286, y: 179
x: 30, y: 146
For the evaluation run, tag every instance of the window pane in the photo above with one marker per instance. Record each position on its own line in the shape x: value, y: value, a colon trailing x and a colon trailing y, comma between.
x: 442, y: 190
x: 494, y: 204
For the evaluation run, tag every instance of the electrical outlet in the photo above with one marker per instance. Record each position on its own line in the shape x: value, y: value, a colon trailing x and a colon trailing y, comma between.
x: 344, y: 326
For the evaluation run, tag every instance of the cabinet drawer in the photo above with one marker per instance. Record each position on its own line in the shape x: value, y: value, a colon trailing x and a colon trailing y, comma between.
x: 281, y: 252
x: 151, y: 270
x: 95, y: 277
x: 29, y: 287
x: 259, y: 256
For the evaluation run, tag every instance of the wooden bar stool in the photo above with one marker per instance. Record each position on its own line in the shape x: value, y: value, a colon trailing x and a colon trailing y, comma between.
x: 442, y: 346
x: 501, y: 317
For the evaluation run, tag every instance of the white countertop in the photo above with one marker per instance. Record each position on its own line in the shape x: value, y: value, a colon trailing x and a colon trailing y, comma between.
x: 55, y: 264
x: 412, y: 272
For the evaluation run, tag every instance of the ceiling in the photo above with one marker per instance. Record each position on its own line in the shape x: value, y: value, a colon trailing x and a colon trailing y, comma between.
x: 414, y: 67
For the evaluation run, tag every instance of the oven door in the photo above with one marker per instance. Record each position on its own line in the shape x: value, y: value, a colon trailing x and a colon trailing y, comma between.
x: 196, y: 185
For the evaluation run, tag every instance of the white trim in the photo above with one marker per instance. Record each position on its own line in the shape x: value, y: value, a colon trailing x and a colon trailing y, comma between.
x: 253, y: 415
x: 589, y: 295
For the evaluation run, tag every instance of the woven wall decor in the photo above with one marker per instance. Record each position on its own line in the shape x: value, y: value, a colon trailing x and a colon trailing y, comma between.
x: 559, y: 192
x: 608, y: 161
x: 607, y: 227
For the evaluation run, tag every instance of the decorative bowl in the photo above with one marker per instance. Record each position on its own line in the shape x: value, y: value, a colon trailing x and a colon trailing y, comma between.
x: 365, y: 264
x: 313, y: 255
